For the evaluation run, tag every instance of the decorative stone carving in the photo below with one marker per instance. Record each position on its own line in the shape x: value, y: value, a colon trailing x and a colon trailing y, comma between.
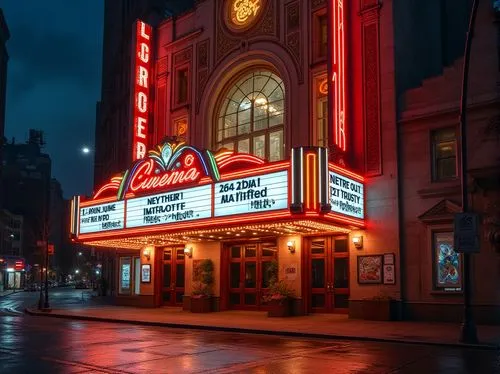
x: 293, y: 35
x: 202, y: 69
x: 162, y: 68
x: 371, y: 90
x: 228, y: 40
x: 315, y: 4
x: 183, y: 56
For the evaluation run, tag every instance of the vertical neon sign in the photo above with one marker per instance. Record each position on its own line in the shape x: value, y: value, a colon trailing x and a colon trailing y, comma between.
x: 142, y: 82
x: 337, y: 72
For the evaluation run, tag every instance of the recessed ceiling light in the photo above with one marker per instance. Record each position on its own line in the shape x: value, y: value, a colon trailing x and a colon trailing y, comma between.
x: 237, y: 234
x: 229, y: 233
x: 254, y: 233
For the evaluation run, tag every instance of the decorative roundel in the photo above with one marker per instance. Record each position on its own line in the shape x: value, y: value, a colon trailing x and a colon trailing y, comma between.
x: 241, y: 14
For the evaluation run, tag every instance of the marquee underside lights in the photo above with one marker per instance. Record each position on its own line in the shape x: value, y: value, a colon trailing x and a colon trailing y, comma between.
x: 141, y: 88
x: 296, y: 227
x: 178, y: 187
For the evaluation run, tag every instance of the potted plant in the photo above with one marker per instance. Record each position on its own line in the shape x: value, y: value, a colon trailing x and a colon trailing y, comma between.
x: 201, y: 296
x: 279, y: 296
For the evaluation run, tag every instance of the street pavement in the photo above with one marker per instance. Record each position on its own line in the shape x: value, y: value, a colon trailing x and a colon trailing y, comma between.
x: 51, y: 345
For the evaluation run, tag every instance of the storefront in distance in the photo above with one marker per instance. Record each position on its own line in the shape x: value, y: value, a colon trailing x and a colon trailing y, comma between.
x: 179, y: 205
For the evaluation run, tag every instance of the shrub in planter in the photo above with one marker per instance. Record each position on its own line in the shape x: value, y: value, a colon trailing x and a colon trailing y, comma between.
x: 280, y: 299
x: 201, y: 296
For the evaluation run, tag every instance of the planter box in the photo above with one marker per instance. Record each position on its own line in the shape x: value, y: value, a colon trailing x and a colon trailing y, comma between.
x: 280, y: 309
x: 201, y: 305
x: 380, y: 310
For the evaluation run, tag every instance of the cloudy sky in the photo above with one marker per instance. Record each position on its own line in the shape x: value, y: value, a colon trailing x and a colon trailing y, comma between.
x: 53, y: 83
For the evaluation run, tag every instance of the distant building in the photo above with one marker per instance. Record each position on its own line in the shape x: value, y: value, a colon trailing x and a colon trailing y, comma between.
x: 11, y: 234
x: 4, y: 57
x: 26, y: 184
x: 113, y: 136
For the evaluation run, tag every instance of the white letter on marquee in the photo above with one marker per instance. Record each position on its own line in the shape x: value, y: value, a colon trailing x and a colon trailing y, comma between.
x: 144, y: 53
x: 140, y: 127
x: 143, y: 77
x: 143, y: 31
x: 141, y: 150
x: 142, y: 102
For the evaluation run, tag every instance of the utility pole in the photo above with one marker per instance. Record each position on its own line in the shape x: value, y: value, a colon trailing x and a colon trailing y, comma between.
x: 468, y: 333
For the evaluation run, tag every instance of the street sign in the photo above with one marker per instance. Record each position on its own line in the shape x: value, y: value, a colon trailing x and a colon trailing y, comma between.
x: 466, y: 232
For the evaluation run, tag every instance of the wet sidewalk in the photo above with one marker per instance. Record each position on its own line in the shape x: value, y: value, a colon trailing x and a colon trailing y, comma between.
x: 311, y: 326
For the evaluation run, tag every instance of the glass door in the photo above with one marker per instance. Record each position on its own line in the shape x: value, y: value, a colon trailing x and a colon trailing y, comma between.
x: 249, y: 274
x: 173, y: 276
x: 329, y: 274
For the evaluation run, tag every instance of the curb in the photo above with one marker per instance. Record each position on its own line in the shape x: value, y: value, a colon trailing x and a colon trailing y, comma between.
x: 2, y: 296
x: 259, y: 331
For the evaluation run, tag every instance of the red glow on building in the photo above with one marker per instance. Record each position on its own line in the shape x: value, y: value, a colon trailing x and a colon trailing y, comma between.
x: 142, y: 82
x: 337, y: 73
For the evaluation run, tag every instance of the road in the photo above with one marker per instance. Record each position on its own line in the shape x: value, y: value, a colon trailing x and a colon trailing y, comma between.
x: 49, y: 345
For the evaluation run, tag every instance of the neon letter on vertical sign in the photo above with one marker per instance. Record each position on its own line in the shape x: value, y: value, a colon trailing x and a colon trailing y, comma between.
x: 338, y: 72
x: 141, y: 89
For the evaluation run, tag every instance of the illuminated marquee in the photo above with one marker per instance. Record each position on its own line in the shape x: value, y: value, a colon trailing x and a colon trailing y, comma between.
x: 176, y: 184
x: 141, y: 89
x: 337, y: 95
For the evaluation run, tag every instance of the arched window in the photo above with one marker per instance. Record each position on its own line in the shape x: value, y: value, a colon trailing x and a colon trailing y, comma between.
x: 251, y: 116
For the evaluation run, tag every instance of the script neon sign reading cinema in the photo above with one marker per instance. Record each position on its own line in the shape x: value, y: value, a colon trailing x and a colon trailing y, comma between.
x: 141, y: 89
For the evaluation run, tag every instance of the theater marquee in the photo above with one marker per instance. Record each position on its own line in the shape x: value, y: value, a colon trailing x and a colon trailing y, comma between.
x: 176, y: 186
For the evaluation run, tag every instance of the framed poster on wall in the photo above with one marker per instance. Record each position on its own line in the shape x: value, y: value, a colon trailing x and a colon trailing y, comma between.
x: 146, y: 273
x: 370, y: 269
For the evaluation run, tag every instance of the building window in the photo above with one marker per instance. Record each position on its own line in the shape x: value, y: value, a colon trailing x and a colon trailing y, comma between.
x: 444, y: 154
x: 447, y: 263
x: 320, y: 130
x: 182, y: 86
x: 251, y: 117
x: 322, y: 36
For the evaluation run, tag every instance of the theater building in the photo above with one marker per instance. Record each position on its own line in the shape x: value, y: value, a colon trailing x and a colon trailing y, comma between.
x: 267, y: 130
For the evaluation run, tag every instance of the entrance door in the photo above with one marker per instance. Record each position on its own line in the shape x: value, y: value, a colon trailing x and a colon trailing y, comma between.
x: 249, y: 274
x: 329, y: 274
x: 173, y: 276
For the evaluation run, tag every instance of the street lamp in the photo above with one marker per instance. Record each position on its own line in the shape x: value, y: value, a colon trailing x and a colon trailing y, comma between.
x: 85, y: 150
x: 80, y: 253
x: 468, y: 332
x: 77, y: 271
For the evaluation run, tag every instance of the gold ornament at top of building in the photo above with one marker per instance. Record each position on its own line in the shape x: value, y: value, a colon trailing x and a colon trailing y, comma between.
x: 243, y: 13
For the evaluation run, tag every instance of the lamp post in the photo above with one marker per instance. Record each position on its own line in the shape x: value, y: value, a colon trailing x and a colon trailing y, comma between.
x: 468, y: 333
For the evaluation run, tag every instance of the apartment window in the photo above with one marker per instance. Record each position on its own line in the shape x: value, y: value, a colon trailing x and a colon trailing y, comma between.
x: 182, y: 86
x: 322, y: 36
x: 320, y: 130
x: 447, y: 263
x: 444, y: 154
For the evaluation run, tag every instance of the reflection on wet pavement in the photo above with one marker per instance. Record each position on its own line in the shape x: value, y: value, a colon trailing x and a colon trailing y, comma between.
x: 48, y: 345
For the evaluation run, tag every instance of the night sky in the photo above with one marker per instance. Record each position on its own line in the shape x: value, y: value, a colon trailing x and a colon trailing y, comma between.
x: 54, y: 81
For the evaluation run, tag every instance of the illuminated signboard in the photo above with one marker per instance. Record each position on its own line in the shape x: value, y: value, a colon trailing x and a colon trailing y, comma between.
x: 141, y: 88
x: 254, y: 194
x: 102, y: 217
x: 181, y: 205
x: 346, y: 195
x: 336, y: 91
